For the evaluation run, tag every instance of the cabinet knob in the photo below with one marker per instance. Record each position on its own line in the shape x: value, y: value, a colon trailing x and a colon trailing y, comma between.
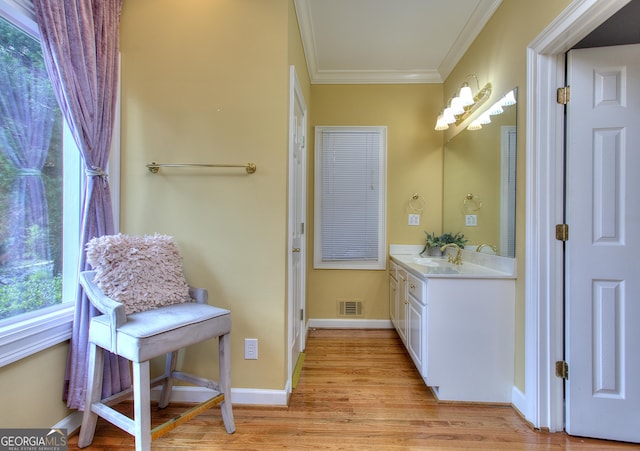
x: 412, y: 286
x: 295, y: 249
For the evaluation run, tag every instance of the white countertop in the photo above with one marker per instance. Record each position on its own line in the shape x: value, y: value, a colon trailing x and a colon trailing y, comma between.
x: 474, y: 264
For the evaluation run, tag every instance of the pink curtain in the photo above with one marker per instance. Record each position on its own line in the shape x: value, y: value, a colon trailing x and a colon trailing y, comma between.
x: 80, y: 41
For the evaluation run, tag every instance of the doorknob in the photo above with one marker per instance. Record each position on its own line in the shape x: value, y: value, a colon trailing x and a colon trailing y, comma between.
x: 295, y: 249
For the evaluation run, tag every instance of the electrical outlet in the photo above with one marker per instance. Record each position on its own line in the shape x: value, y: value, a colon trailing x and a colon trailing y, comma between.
x: 251, y: 349
x: 471, y: 220
x: 414, y: 220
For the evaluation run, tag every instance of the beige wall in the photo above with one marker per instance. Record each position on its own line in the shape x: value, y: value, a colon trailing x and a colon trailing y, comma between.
x: 498, y: 56
x: 207, y: 82
x: 32, y: 390
x: 414, y: 165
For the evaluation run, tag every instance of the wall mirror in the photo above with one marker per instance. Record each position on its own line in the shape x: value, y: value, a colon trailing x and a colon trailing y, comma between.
x: 480, y: 181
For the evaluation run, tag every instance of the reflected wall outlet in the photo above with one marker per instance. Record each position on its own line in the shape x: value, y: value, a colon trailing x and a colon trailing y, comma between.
x: 250, y: 348
x: 471, y: 220
x: 414, y: 220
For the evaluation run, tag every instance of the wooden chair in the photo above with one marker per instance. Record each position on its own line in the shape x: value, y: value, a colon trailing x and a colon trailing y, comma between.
x: 141, y: 336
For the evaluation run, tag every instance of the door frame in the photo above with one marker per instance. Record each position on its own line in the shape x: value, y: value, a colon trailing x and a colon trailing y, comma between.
x: 544, y: 284
x: 295, y: 92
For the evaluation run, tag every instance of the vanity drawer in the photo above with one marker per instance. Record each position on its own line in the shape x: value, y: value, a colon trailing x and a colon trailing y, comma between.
x: 417, y: 288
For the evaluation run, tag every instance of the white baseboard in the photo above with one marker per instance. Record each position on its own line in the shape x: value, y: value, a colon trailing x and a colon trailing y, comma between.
x: 246, y: 396
x: 519, y: 401
x: 333, y: 323
x: 71, y: 422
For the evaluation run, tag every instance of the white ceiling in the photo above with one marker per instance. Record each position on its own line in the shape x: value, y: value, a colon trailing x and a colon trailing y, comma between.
x: 388, y: 41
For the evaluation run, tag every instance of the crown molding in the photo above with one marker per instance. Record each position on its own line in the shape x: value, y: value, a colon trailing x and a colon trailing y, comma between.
x: 481, y: 15
x: 374, y: 77
x: 476, y: 23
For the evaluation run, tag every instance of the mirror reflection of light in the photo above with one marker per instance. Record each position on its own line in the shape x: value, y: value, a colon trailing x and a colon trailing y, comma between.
x: 508, y: 99
x: 497, y: 108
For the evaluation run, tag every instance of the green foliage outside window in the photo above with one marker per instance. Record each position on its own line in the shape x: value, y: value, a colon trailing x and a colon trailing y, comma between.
x: 29, y: 282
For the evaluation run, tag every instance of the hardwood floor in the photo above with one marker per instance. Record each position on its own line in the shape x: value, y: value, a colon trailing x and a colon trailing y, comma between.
x: 358, y: 390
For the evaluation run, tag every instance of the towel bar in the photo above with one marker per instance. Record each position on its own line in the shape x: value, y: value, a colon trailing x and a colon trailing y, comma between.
x: 155, y: 167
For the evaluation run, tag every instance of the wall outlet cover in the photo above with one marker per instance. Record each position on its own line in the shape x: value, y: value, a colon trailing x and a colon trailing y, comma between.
x: 471, y: 220
x: 251, y: 348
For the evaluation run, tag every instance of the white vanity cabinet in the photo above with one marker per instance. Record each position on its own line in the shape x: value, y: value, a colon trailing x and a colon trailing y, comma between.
x: 458, y: 328
x: 407, y: 309
x: 416, y: 321
x: 393, y: 293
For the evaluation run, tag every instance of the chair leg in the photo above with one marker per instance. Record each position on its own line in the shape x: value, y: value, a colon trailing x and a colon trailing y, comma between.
x: 94, y: 394
x: 141, y: 406
x: 224, y: 381
x: 170, y: 367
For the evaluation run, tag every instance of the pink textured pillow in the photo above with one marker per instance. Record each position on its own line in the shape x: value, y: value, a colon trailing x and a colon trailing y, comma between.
x: 142, y: 272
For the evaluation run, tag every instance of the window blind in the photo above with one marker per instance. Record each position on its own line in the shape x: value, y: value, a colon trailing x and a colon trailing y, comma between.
x: 350, y: 181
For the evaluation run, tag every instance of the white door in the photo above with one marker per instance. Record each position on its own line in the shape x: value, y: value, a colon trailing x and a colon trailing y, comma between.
x: 297, y: 215
x: 602, y: 285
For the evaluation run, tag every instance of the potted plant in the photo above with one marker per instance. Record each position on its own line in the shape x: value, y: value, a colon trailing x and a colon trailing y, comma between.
x: 433, y: 242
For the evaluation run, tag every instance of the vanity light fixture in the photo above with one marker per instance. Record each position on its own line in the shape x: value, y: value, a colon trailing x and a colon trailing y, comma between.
x: 460, y: 106
x: 466, y: 94
x: 497, y: 108
x: 441, y: 124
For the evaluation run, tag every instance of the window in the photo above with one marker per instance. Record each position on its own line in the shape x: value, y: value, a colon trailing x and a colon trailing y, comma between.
x: 38, y: 266
x: 350, y: 198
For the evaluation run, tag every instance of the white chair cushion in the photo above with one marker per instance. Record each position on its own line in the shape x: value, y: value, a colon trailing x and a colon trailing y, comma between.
x: 156, y: 332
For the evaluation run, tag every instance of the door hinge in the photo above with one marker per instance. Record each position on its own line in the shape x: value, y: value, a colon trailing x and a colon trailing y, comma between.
x: 301, y: 314
x: 563, y: 95
x: 562, y: 369
x: 562, y: 232
x: 302, y: 228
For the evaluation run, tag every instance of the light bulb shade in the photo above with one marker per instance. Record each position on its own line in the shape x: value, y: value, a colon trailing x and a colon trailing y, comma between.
x: 441, y: 124
x: 484, y: 119
x: 466, y: 96
x: 448, y: 116
x: 475, y: 125
x: 508, y: 99
x: 496, y: 109
x: 456, y: 106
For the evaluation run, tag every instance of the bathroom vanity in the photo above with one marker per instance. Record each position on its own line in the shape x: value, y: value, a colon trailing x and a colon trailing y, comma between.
x: 456, y: 321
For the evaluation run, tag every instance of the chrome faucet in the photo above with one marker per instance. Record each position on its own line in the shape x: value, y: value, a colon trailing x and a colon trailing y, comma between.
x: 457, y: 260
x: 493, y: 248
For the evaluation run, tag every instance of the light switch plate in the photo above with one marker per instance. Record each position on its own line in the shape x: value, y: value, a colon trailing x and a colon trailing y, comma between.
x: 414, y: 220
x: 251, y: 348
x: 471, y: 220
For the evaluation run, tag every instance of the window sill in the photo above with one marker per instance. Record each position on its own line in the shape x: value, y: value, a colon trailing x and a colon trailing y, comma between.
x: 35, y: 333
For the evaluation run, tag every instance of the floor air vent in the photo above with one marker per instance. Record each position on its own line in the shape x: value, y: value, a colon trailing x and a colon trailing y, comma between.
x: 350, y: 308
